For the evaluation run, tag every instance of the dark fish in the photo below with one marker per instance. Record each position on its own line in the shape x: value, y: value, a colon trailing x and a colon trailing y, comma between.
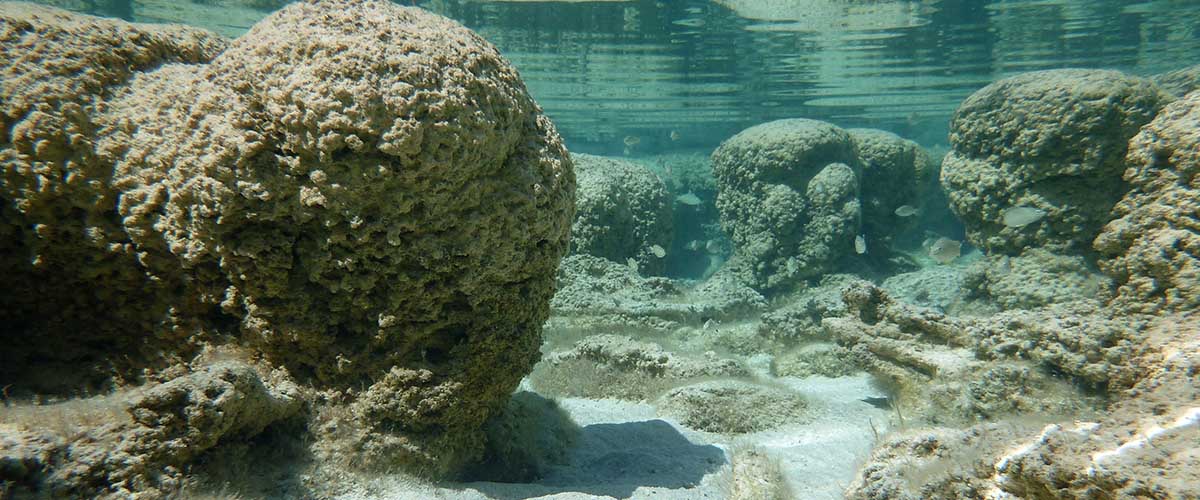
x: 881, y: 403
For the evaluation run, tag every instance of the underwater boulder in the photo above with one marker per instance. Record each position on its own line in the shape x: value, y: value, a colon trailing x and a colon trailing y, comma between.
x: 623, y: 212
x: 1047, y: 140
x: 896, y: 174
x: 1152, y: 247
x: 76, y: 302
x: 363, y: 193
x: 788, y: 196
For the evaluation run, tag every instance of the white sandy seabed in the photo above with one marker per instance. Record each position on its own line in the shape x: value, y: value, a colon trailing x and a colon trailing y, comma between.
x: 627, y: 451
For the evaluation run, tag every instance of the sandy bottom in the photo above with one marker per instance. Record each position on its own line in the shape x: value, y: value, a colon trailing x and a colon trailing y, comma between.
x: 627, y: 451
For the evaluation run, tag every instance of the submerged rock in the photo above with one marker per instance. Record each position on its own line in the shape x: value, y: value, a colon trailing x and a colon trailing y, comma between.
x: 1047, y: 140
x: 364, y: 193
x: 896, y: 174
x: 1152, y: 247
x: 623, y: 212
x: 788, y: 196
x: 733, y: 407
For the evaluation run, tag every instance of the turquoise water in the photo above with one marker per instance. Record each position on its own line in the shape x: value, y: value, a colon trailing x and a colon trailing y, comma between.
x: 708, y: 69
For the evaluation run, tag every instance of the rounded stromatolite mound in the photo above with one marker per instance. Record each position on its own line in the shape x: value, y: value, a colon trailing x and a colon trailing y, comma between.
x: 895, y: 172
x: 1152, y: 248
x: 623, y: 212
x: 76, y: 303
x: 1050, y: 140
x: 364, y: 193
x: 788, y: 196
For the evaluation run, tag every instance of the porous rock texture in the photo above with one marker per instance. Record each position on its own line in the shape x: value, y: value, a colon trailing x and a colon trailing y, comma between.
x: 363, y: 193
x: 788, y: 196
x: 1052, y: 140
x: 732, y: 407
x: 895, y: 172
x: 144, y: 455
x: 74, y: 288
x: 1141, y: 446
x: 1034, y: 278
x: 1152, y: 246
x: 622, y: 212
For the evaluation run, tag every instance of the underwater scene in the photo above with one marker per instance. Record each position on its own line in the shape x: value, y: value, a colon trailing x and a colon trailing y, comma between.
x: 600, y: 249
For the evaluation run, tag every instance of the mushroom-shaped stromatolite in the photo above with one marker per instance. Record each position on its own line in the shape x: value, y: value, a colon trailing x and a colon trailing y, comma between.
x: 788, y: 196
x: 362, y: 192
x: 1053, y: 141
x: 622, y: 213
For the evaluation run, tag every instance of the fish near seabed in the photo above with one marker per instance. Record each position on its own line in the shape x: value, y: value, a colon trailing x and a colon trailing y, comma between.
x: 1022, y: 216
x: 860, y: 244
x: 945, y: 250
x: 906, y: 211
x: 689, y: 199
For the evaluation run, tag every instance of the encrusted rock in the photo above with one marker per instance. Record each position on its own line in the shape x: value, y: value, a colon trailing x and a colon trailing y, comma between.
x: 1049, y: 140
x: 1180, y: 82
x: 895, y: 172
x: 623, y: 212
x: 1035, y: 278
x: 788, y: 196
x: 733, y: 407
x: 1152, y: 247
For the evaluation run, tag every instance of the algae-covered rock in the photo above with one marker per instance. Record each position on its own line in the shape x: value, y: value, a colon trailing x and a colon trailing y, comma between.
x: 623, y: 212
x: 75, y: 296
x: 788, y: 196
x: 364, y: 193
x: 895, y: 172
x: 733, y: 407
x: 1152, y: 247
x: 1047, y: 140
x: 1033, y: 279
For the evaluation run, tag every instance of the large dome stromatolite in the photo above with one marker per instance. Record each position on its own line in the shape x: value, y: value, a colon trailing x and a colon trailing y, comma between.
x: 360, y: 191
x: 1152, y: 248
x: 1049, y: 140
x: 788, y: 196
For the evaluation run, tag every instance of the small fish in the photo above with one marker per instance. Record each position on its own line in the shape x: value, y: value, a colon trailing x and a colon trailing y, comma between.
x: 712, y: 247
x: 945, y: 250
x: 1022, y: 216
x: 632, y: 140
x: 675, y: 135
x: 689, y: 199
x: 632, y: 263
x: 906, y: 211
x: 694, y: 245
x: 883, y: 403
x: 860, y: 244
x: 658, y: 251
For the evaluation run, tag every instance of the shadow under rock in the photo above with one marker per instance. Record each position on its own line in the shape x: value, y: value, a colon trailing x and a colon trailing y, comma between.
x: 616, y: 459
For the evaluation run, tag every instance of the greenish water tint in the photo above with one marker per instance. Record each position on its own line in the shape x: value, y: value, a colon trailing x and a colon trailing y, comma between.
x: 688, y: 74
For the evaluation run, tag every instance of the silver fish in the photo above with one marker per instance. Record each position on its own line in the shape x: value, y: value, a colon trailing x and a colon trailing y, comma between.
x: 860, y: 244
x: 1022, y: 216
x: 906, y: 211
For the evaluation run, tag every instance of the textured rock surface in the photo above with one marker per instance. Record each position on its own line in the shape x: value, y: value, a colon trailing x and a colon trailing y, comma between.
x: 732, y: 407
x: 167, y: 427
x: 1034, y: 278
x: 937, y: 287
x: 1152, y: 247
x: 788, y: 196
x: 1052, y: 140
x: 68, y: 266
x: 364, y: 193
x: 1180, y: 82
x: 895, y: 172
x: 622, y: 211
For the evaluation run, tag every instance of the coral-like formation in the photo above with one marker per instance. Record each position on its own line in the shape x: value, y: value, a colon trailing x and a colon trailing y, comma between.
x: 74, y: 288
x: 622, y: 213
x: 363, y: 193
x: 937, y: 287
x: 895, y: 172
x: 1152, y: 247
x: 144, y: 454
x: 1048, y: 140
x: 799, y: 318
x: 1035, y: 278
x: 733, y: 407
x: 788, y: 196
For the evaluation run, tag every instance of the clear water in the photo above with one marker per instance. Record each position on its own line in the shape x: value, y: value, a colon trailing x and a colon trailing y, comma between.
x: 708, y: 69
